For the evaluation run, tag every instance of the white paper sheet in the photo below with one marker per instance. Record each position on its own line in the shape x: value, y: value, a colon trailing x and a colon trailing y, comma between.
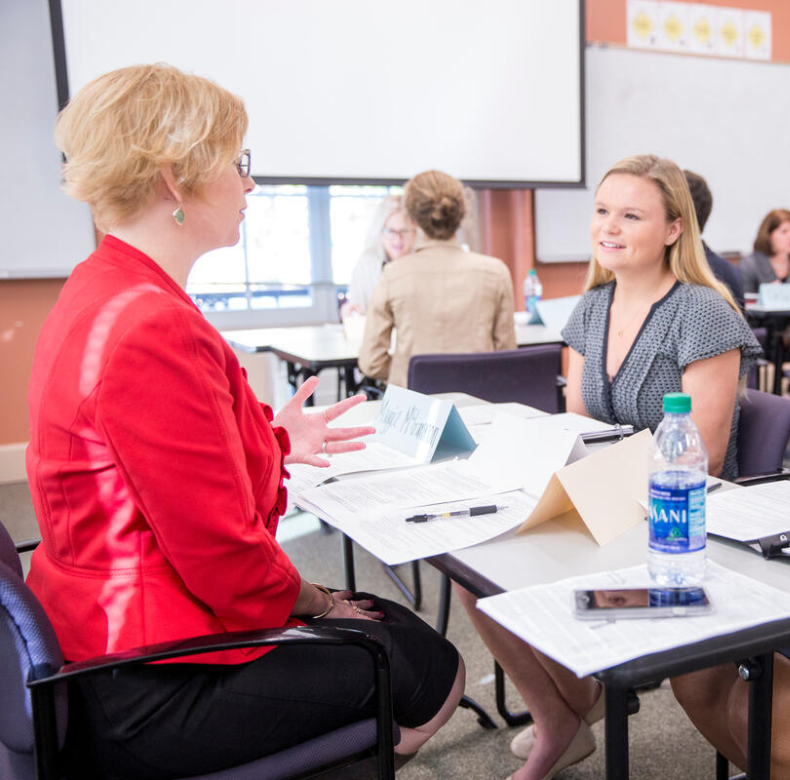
x: 433, y: 484
x: 391, y: 539
x: 484, y: 414
x: 751, y: 513
x: 543, y: 616
x: 525, y: 452
x: 578, y: 423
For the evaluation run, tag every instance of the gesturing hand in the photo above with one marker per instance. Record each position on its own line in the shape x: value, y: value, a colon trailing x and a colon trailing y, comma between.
x: 310, y: 434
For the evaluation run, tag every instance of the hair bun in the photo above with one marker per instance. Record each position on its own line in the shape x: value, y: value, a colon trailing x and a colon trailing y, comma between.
x: 435, y: 201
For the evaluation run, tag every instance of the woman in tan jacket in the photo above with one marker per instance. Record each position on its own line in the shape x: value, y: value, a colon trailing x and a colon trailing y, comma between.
x: 440, y: 298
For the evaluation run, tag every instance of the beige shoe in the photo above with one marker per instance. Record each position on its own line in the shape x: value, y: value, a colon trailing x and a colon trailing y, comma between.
x: 581, y: 746
x: 522, y: 744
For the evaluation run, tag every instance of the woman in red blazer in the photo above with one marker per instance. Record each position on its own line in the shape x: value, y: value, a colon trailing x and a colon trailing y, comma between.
x: 157, y: 476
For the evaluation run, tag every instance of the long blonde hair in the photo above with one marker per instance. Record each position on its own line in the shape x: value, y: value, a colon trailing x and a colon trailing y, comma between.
x: 685, y: 258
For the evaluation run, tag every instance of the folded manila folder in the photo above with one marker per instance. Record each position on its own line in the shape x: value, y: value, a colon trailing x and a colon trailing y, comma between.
x: 602, y: 490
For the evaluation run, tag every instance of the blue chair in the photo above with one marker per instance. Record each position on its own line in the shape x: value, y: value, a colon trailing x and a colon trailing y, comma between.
x: 530, y: 375
x: 33, y: 709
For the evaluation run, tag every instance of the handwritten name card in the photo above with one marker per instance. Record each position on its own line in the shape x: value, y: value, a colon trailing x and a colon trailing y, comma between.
x: 421, y: 426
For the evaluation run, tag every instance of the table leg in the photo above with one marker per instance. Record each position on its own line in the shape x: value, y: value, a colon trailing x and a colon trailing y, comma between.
x: 616, y: 731
x: 296, y: 376
x: 351, y: 386
x: 348, y: 563
x: 758, y: 760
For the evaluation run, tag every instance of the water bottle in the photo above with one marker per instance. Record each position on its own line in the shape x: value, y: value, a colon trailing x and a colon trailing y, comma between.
x: 678, y: 464
x: 533, y: 290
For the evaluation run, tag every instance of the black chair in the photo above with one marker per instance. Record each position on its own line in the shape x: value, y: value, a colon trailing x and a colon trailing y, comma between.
x: 33, y: 709
x: 530, y: 376
x: 763, y: 433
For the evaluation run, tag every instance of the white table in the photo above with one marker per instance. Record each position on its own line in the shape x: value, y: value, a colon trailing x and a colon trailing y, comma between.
x: 307, y: 350
x: 557, y: 549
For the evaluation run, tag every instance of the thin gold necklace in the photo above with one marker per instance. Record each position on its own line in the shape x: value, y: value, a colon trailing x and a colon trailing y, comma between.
x: 640, y: 309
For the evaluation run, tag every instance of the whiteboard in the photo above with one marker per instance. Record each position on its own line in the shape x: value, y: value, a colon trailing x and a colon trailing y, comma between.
x: 727, y: 120
x: 355, y: 90
x: 45, y: 233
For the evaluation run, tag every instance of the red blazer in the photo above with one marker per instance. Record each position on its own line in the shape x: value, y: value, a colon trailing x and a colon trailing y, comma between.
x: 156, y: 475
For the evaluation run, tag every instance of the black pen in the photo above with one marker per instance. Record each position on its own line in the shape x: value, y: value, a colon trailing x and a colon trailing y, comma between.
x: 471, y: 512
x: 714, y: 486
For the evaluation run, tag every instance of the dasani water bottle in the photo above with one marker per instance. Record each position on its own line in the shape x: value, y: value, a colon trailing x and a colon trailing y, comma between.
x: 678, y: 464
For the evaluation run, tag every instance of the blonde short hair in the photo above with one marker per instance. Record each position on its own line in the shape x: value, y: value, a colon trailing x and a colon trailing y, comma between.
x: 121, y: 127
x: 685, y: 258
x: 436, y: 202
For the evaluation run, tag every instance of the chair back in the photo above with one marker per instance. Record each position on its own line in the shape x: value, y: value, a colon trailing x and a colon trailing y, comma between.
x: 527, y: 376
x: 763, y: 432
x: 28, y: 646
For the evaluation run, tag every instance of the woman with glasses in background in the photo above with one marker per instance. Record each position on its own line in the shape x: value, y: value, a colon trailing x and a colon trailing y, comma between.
x: 391, y: 236
x: 157, y: 476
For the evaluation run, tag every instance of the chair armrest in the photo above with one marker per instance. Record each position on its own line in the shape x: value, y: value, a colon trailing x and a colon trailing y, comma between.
x: 232, y: 640
x: 43, y: 681
x: 759, y: 479
x: 27, y: 545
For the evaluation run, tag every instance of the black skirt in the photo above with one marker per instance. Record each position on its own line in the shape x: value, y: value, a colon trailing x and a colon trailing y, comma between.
x: 174, y: 720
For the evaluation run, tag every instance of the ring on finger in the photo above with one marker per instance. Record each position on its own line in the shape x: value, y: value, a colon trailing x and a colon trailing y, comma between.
x: 323, y: 447
x: 357, y: 609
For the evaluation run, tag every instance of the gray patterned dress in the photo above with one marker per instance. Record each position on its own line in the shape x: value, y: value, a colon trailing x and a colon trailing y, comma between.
x: 691, y: 322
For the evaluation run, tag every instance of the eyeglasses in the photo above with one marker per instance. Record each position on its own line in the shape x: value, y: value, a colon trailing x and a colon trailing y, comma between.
x: 405, y: 233
x: 242, y: 162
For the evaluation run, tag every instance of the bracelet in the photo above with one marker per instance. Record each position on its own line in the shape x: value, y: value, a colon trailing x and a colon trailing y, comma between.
x: 331, y: 600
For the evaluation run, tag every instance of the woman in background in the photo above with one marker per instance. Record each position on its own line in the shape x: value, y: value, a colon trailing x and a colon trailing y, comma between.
x: 770, y: 261
x: 157, y: 476
x: 653, y: 320
x: 440, y: 298
x: 391, y: 236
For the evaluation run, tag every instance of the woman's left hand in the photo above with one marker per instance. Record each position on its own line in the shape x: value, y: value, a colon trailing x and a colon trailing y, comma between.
x: 310, y: 434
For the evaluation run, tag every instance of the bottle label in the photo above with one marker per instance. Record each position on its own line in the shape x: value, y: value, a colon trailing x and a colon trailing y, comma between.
x: 677, y: 518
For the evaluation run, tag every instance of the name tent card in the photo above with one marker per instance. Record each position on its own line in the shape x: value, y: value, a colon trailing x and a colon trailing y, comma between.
x: 774, y: 296
x: 554, y: 313
x: 421, y: 426
x: 602, y: 490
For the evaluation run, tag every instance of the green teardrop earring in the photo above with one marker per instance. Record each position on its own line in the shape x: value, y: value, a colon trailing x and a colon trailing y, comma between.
x: 178, y: 215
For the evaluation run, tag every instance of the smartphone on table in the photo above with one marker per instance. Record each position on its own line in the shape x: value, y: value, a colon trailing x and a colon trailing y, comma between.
x: 612, y: 603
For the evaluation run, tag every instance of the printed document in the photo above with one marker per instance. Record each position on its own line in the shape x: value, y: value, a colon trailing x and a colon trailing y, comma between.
x: 421, y: 486
x: 747, y: 514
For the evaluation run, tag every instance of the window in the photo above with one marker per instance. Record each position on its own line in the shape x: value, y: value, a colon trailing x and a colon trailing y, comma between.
x: 298, y: 246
